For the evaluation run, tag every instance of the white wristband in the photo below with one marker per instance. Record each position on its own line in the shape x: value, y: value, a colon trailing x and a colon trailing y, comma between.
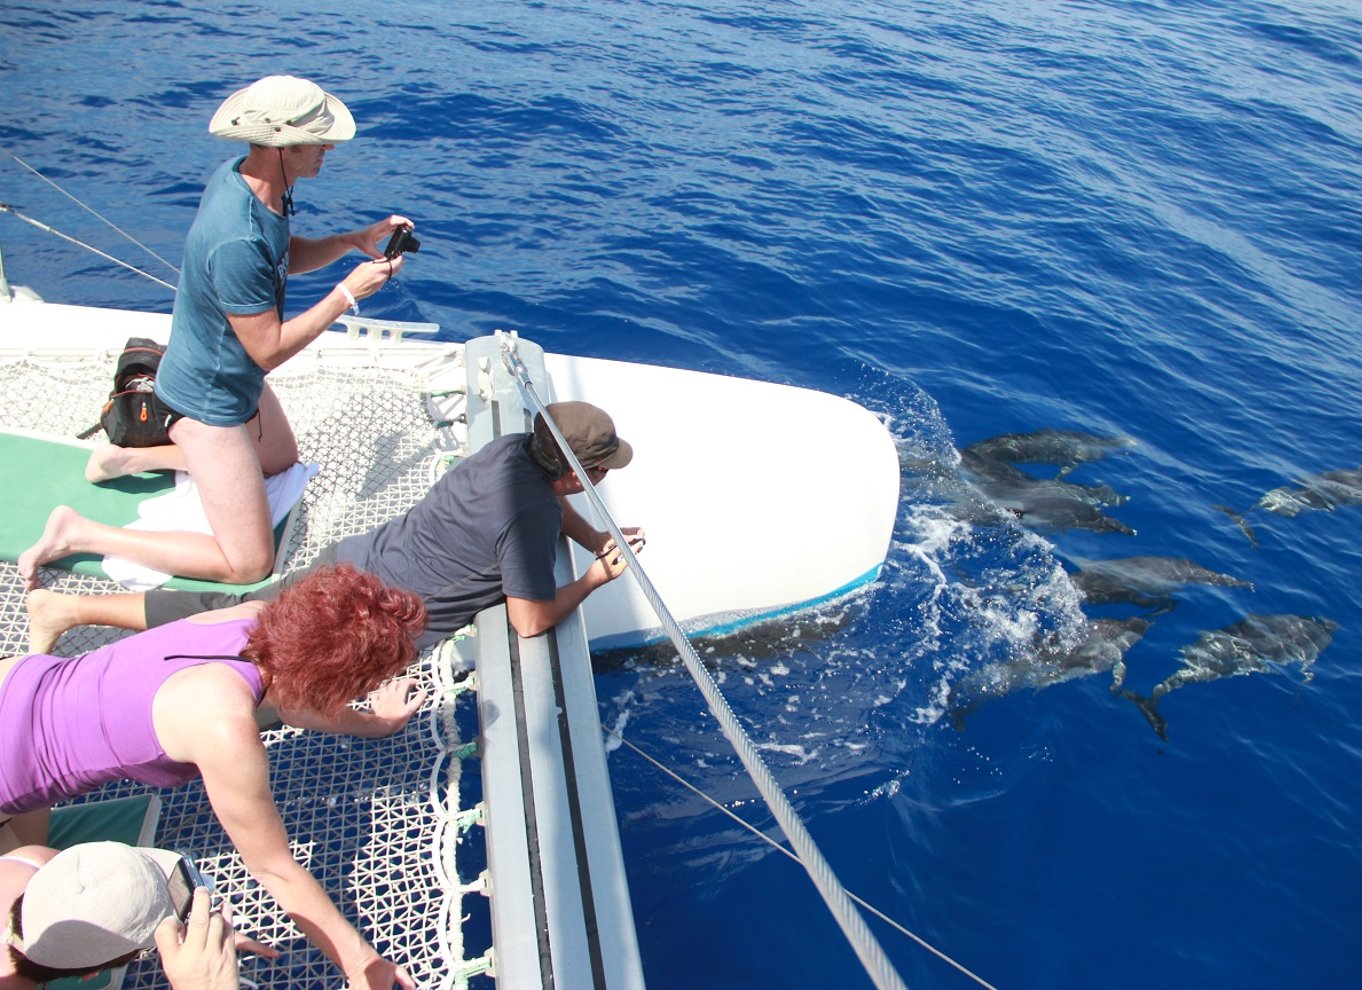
x: 349, y: 297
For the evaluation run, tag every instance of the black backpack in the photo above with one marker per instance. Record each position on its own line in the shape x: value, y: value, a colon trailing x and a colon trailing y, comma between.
x: 133, y: 416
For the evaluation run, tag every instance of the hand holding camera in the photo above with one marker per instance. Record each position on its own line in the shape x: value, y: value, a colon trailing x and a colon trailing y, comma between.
x: 401, y: 242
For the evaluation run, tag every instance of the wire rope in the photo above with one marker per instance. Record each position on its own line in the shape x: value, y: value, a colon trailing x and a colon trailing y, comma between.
x: 94, y: 213
x: 5, y: 207
x: 863, y: 943
x: 903, y: 930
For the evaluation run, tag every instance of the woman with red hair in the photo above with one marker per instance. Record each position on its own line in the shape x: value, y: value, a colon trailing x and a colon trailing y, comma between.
x: 180, y: 701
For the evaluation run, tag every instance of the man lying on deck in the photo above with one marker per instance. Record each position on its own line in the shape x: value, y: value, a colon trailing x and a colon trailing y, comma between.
x: 486, y: 532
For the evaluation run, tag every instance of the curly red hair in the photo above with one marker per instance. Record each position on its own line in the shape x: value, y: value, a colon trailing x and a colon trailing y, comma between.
x: 333, y: 637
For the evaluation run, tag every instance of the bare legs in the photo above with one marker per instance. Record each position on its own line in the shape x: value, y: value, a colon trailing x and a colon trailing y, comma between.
x: 228, y: 465
x: 224, y: 464
x: 108, y: 462
x: 50, y: 614
x: 275, y: 445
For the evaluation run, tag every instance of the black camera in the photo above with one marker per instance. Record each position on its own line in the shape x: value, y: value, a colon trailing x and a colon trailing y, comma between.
x: 181, y: 883
x: 400, y: 242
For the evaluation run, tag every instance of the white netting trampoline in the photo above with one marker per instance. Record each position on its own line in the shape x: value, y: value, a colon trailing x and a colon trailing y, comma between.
x: 375, y: 821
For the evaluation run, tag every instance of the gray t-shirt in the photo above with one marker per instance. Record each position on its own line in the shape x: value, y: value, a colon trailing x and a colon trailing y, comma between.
x: 487, y: 529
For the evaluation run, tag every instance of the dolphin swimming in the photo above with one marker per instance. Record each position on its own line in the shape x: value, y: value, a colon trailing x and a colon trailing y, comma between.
x: 1043, y: 503
x: 1065, y: 448
x: 1001, y: 481
x: 1258, y: 644
x: 1064, y: 513
x: 1101, y: 647
x: 1328, y: 491
x: 1144, y: 581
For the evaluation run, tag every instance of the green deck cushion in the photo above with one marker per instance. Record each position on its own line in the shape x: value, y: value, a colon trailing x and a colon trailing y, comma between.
x: 39, y: 473
x: 131, y: 820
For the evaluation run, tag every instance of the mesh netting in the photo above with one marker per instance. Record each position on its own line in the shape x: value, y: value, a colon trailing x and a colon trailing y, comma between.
x: 371, y: 819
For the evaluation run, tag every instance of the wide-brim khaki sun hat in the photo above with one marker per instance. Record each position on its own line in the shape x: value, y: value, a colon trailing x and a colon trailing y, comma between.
x: 281, y: 111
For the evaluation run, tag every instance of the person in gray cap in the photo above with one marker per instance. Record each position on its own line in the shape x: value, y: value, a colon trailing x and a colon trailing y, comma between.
x: 96, y: 905
x: 226, y: 426
x: 485, y: 533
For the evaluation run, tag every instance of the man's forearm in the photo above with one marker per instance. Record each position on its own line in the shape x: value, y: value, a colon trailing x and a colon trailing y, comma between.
x: 533, y: 618
x: 307, y: 254
x: 581, y: 532
x: 271, y: 343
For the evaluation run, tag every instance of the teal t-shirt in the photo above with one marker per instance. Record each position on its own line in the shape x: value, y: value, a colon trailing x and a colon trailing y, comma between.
x: 235, y: 262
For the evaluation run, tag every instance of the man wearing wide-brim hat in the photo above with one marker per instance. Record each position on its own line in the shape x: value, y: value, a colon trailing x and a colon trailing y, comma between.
x: 226, y: 428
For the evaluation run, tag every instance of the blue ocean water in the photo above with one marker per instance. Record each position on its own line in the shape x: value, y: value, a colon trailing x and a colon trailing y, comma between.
x: 1135, y: 219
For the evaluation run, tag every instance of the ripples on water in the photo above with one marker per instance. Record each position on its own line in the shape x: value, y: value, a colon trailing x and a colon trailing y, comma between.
x: 1138, y: 219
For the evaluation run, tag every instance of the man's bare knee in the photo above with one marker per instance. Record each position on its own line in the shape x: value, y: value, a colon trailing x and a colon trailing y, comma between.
x: 277, y: 462
x: 250, y: 568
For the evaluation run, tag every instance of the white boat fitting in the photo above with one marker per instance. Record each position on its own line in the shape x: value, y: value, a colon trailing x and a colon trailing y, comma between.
x: 758, y: 499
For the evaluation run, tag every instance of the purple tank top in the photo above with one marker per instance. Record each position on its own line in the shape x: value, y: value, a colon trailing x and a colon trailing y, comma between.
x: 68, y: 725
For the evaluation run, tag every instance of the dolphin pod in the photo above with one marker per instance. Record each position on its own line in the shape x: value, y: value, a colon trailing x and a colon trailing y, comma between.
x: 1258, y: 644
x: 1327, y: 491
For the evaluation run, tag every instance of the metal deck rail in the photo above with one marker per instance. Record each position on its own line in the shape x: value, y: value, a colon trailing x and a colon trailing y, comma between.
x: 561, y: 915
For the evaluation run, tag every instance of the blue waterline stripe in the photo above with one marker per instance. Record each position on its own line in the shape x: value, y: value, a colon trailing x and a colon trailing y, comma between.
x: 729, y: 625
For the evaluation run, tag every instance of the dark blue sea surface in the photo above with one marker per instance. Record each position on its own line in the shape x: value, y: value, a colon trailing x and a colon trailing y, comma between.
x: 1130, y: 219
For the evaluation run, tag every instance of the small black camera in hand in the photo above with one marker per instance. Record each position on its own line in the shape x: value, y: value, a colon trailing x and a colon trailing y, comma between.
x: 401, y: 242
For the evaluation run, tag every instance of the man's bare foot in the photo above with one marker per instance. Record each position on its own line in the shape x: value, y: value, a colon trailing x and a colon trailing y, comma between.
x: 107, y: 462
x: 54, y: 544
x: 47, y: 619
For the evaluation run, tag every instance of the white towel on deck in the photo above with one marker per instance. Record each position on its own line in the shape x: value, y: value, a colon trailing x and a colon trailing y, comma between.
x: 181, y: 510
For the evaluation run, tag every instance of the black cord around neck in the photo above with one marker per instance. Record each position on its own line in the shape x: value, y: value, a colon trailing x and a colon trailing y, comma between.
x: 286, y: 200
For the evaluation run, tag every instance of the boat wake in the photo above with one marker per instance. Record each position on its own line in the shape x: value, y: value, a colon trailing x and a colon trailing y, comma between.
x: 974, y: 588
x: 830, y: 693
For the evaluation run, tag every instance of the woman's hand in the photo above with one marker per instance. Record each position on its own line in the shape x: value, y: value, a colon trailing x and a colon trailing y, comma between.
x: 378, y: 974
x: 250, y: 946
x: 394, y: 703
